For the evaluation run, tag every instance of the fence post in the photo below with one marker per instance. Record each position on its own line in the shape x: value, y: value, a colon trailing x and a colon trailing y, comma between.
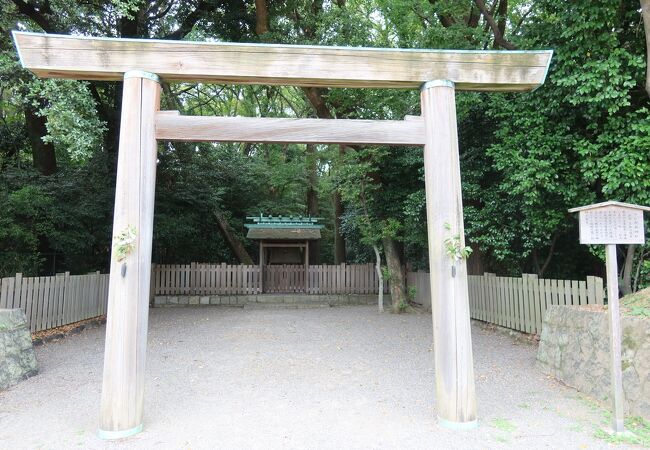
x: 591, y: 290
x: 600, y: 292
x: 489, y: 298
x: 7, y: 292
x: 66, y: 297
x: 97, y: 292
x: 152, y: 284
x: 535, y: 317
x: 17, y: 286
x: 193, y: 285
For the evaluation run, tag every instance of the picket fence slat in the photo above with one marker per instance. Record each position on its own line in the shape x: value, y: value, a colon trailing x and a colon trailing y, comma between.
x: 517, y: 303
x: 54, y: 301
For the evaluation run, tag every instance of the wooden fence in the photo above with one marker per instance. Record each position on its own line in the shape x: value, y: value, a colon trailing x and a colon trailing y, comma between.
x: 223, y: 279
x: 517, y: 303
x: 285, y: 278
x: 50, y: 302
x: 418, y: 288
x: 344, y: 279
x: 205, y: 279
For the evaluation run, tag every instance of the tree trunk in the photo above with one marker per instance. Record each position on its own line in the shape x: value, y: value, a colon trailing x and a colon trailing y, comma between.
x: 312, y: 181
x: 339, y: 239
x: 261, y: 17
x: 397, y: 278
x: 380, y: 277
x: 637, y: 273
x: 232, y: 240
x: 645, y: 13
x: 43, y: 155
x: 628, y: 267
x: 312, y: 200
x: 475, y: 264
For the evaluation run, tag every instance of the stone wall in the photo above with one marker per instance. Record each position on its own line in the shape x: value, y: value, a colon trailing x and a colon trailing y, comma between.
x: 574, y: 348
x: 270, y: 299
x: 17, y: 359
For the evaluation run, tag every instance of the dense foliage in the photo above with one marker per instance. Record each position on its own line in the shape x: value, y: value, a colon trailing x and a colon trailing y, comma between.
x: 526, y: 158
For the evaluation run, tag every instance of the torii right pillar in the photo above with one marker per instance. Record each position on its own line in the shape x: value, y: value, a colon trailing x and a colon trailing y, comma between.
x: 454, y: 367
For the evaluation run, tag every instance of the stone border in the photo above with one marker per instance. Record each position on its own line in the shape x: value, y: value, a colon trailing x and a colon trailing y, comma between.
x: 574, y: 348
x: 268, y: 299
x: 54, y: 334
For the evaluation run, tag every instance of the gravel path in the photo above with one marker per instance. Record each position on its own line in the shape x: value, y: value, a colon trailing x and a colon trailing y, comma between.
x: 339, y: 378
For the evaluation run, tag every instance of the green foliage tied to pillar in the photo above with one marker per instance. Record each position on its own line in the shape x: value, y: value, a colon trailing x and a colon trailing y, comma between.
x: 454, y: 248
x: 125, y: 243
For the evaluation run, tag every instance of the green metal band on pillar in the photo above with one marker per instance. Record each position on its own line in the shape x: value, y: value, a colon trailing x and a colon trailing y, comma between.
x: 437, y: 83
x: 110, y: 435
x: 142, y: 74
x: 459, y: 426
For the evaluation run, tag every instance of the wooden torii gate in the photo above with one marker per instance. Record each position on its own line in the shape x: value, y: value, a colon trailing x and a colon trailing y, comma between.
x: 142, y: 63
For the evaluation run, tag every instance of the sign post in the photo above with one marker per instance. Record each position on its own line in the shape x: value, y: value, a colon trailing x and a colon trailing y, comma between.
x: 612, y: 223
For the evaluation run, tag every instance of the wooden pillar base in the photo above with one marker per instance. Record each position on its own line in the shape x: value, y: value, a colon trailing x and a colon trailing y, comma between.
x: 129, y: 285
x: 112, y: 435
x: 454, y: 368
x: 459, y: 426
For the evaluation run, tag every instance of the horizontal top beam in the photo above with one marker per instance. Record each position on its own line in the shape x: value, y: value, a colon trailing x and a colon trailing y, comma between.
x: 86, y: 58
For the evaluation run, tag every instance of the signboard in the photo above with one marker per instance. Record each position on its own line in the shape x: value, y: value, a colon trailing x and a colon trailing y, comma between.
x: 612, y: 225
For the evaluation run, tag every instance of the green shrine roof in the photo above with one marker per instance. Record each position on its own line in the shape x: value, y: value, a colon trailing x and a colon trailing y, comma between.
x: 283, y: 227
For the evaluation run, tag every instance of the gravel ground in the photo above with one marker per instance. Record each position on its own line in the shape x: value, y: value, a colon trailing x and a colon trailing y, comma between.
x: 339, y: 378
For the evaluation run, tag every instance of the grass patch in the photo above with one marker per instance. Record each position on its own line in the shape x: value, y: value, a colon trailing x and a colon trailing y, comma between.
x: 504, y: 425
x: 637, y: 304
x: 591, y: 403
x: 578, y: 428
x: 638, y: 426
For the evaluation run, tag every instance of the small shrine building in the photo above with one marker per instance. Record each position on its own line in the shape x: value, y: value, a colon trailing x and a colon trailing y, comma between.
x: 284, y: 241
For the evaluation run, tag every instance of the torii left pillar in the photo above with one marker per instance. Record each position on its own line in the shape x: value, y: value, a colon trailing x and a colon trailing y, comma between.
x: 128, y: 292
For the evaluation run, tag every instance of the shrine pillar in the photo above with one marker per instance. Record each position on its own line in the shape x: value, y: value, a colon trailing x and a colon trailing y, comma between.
x: 129, y: 285
x: 454, y: 369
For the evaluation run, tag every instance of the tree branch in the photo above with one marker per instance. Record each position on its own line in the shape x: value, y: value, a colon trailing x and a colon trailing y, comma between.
x: 498, y: 37
x: 446, y: 20
x: 162, y: 13
x: 315, y: 97
x: 188, y: 23
x: 37, y: 16
x: 473, y: 18
x: 502, y: 14
x: 549, y: 256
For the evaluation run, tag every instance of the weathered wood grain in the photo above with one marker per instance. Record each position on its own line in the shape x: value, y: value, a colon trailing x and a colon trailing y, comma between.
x: 455, y: 388
x: 128, y: 307
x: 614, y: 316
x: 273, y: 130
x: 87, y: 58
